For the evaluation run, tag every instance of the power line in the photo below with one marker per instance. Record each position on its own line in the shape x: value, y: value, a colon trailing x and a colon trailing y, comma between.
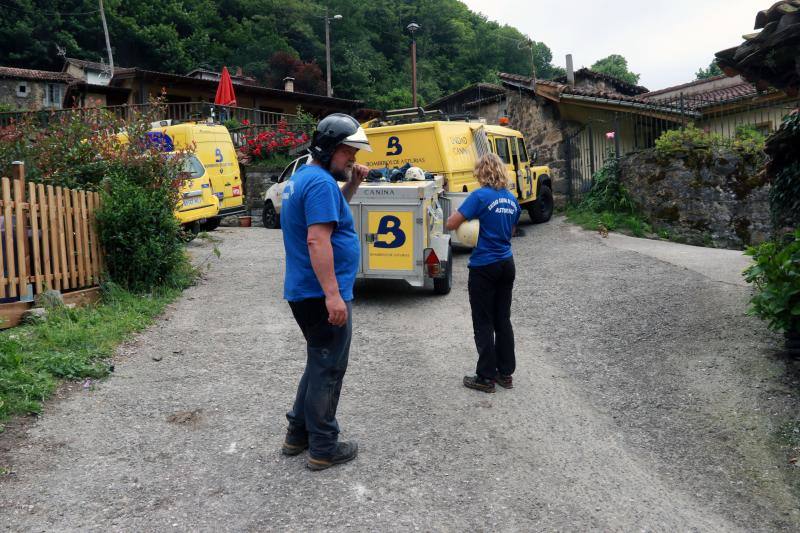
x: 76, y: 14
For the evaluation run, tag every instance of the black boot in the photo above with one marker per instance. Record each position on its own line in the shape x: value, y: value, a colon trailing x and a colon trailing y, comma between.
x: 345, y: 451
x: 478, y: 383
x: 295, y: 443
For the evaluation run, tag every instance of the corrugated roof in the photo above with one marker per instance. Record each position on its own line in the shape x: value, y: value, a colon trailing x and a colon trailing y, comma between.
x: 166, y: 76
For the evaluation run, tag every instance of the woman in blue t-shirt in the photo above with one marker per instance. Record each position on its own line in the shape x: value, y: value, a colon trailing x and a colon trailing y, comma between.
x: 491, y: 273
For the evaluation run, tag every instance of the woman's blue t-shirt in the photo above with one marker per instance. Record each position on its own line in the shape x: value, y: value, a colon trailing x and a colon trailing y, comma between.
x: 498, y: 212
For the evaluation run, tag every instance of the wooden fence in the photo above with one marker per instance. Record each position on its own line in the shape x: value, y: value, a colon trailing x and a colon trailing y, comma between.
x: 49, y: 238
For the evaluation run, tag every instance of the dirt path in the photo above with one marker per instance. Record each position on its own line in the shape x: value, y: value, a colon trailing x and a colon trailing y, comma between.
x: 644, y: 400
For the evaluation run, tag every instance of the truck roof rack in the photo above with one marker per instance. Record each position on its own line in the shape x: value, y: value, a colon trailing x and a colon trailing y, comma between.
x: 410, y: 115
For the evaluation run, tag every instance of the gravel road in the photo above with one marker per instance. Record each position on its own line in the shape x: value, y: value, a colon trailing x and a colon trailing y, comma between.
x: 644, y: 400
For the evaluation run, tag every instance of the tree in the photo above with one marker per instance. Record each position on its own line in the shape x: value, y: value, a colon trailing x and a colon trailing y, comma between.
x: 712, y: 70
x: 617, y: 66
x: 370, y: 46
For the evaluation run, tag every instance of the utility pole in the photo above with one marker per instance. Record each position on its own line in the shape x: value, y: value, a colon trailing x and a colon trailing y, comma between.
x: 108, y: 40
x: 413, y: 28
x: 328, y: 48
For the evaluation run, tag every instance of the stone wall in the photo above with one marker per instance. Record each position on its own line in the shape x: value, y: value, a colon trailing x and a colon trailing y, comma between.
x: 544, y: 130
x: 257, y: 180
x: 33, y: 100
x: 719, y: 200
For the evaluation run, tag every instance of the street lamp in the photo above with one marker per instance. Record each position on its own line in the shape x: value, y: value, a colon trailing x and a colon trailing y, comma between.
x: 412, y: 29
x: 328, y: 46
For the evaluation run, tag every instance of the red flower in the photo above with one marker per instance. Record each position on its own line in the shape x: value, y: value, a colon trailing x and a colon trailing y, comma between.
x: 245, y: 122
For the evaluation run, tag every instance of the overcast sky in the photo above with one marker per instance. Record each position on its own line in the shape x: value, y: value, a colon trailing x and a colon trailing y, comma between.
x: 665, y: 41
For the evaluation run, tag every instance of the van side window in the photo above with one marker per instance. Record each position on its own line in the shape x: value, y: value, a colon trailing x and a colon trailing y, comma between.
x: 523, y: 152
x: 502, y: 150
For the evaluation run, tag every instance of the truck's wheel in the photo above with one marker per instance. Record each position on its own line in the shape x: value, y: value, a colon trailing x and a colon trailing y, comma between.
x: 211, y: 224
x: 443, y: 285
x: 542, y: 208
x: 270, y: 217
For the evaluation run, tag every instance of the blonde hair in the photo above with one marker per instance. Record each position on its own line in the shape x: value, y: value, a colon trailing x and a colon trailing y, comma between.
x: 491, y: 172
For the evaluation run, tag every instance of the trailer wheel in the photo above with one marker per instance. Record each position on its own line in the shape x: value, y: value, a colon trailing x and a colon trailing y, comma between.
x: 443, y: 285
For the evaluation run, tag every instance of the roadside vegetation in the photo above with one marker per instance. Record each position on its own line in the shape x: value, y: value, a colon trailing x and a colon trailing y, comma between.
x: 608, y: 205
x: 775, y: 274
x: 145, y: 258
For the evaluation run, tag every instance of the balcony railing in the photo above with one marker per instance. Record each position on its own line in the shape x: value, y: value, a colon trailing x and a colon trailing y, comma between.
x: 182, y: 111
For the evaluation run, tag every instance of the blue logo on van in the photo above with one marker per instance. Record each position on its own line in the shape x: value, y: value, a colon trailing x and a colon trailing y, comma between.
x: 160, y: 140
x: 218, y: 153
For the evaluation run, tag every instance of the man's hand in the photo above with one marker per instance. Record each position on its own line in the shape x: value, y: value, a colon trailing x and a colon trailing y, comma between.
x: 359, y: 173
x: 356, y: 177
x: 337, y: 310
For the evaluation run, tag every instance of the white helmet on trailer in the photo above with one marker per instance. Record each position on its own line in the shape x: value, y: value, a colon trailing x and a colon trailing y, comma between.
x: 415, y: 174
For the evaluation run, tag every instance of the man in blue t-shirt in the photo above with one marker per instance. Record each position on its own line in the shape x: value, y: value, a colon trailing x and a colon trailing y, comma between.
x: 322, y: 257
x: 491, y: 273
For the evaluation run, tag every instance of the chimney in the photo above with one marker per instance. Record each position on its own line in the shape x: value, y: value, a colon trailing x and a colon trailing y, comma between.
x: 570, y: 71
x: 238, y: 71
x: 288, y: 84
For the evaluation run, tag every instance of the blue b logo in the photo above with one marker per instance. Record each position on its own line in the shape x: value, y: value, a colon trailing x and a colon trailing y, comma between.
x: 389, y: 233
x: 218, y: 154
x: 394, y: 144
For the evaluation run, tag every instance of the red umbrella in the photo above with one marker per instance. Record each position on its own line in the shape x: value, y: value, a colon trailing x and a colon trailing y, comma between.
x: 225, y: 95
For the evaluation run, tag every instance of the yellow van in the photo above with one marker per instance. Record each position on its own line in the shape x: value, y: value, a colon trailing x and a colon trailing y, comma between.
x: 450, y: 148
x: 212, y: 186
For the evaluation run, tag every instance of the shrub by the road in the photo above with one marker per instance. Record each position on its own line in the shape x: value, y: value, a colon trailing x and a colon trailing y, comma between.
x: 775, y: 275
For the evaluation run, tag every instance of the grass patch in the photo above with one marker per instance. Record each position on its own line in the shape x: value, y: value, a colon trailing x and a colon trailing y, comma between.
x: 630, y: 223
x: 75, y: 343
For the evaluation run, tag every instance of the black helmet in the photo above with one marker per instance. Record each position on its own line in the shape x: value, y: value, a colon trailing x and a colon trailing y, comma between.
x: 334, y: 130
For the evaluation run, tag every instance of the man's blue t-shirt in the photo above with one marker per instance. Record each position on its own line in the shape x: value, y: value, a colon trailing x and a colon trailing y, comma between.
x: 498, y: 212
x: 312, y: 196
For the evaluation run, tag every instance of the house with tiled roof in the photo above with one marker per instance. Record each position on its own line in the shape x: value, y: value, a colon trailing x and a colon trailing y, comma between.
x: 572, y: 123
x: 83, y: 83
x: 22, y: 88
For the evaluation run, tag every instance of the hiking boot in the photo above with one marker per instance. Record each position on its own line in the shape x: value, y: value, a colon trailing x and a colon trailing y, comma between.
x: 345, y: 451
x: 294, y: 443
x: 479, y: 383
x: 506, y: 382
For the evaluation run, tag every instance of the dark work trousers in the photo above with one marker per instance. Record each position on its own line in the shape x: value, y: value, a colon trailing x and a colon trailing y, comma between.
x: 328, y: 348
x: 490, y: 289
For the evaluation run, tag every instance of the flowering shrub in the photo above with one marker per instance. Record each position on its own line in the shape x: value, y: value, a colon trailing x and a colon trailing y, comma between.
x: 95, y: 150
x: 265, y: 145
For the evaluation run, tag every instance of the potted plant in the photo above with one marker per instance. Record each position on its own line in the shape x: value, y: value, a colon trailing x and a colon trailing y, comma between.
x: 776, y: 278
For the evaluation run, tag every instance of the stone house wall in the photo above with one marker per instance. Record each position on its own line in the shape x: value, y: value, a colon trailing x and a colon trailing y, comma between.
x: 544, y: 131
x: 34, y: 99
